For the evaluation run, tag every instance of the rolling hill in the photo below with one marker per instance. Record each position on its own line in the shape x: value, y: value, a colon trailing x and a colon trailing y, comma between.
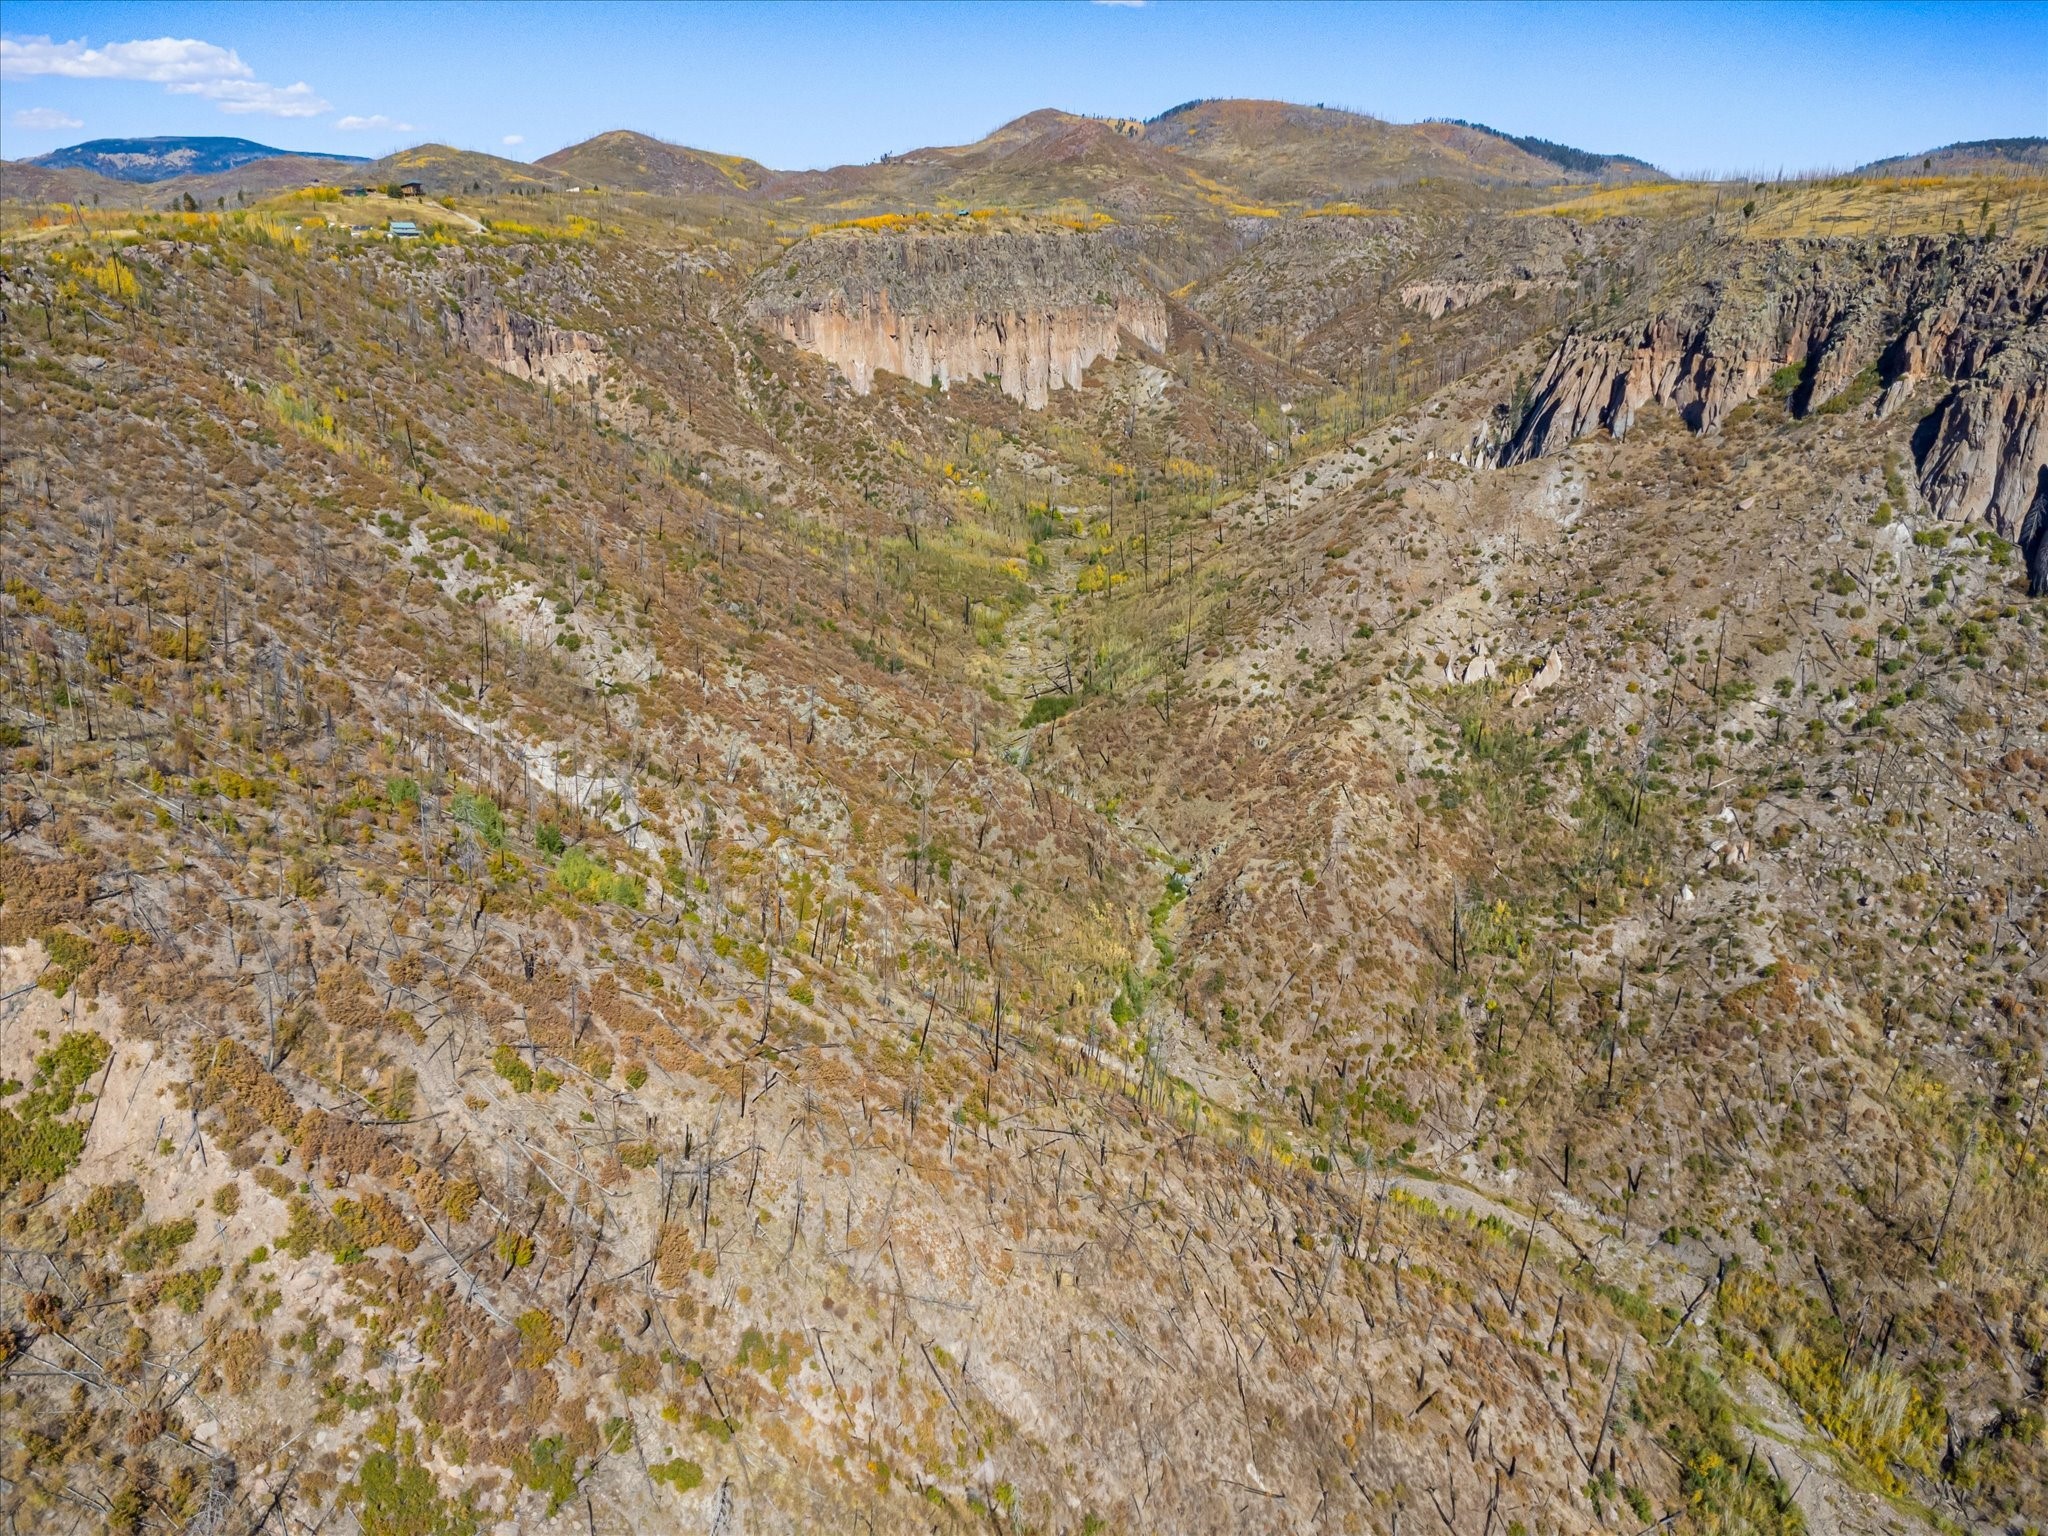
x: 634, y: 162
x: 2021, y: 156
x: 1282, y: 152
x: 1582, y: 162
x: 1203, y: 158
x: 441, y: 169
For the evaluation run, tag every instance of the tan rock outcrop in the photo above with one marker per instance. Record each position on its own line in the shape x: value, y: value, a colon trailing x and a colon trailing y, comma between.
x: 1988, y: 449
x: 1028, y: 312
x: 482, y: 323
x: 1437, y: 299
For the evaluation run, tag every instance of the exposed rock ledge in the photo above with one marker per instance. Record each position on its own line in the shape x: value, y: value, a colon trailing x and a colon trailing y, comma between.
x: 1953, y: 309
x: 531, y: 349
x: 1437, y: 299
x: 1028, y: 311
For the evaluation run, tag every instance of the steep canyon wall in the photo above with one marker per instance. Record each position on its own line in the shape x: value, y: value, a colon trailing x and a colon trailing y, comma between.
x: 1029, y: 312
x: 1963, y: 314
x: 480, y: 321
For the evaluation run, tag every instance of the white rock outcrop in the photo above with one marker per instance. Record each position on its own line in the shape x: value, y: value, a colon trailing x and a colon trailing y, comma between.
x: 1547, y: 677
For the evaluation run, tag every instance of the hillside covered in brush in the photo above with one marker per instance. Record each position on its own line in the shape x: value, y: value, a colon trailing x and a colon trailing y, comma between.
x: 1252, y: 822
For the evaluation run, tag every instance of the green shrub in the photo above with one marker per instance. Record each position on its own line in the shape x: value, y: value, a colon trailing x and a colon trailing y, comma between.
x: 157, y: 1244
x: 1726, y: 1489
x: 1129, y: 1001
x: 393, y: 1497
x: 550, y: 1468
x: 35, y: 1141
x: 540, y: 1338
x: 679, y: 1474
x: 189, y: 1288
x: 106, y: 1213
x: 481, y: 816
x: 509, y: 1065
x: 593, y: 880
x: 1853, y: 394
x: 1048, y: 707
x: 70, y: 953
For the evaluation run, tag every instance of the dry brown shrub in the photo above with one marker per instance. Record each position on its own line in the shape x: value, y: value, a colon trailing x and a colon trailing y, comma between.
x: 106, y: 1213
x: 339, y: 1145
x: 429, y: 1189
x: 638, y: 1373
x: 273, y: 1181
x: 621, y: 1012
x: 346, y: 1000
x: 37, y: 895
x: 674, y: 1257
x: 241, y: 1358
x: 247, y: 1096
x: 536, y: 1393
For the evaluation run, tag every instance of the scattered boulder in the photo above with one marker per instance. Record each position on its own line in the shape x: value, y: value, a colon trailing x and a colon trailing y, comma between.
x: 1547, y: 677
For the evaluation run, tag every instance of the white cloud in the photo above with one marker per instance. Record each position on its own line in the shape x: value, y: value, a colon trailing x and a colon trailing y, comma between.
x: 184, y: 66
x: 44, y: 118
x: 376, y: 122
x: 254, y: 96
x: 514, y: 138
x: 163, y: 59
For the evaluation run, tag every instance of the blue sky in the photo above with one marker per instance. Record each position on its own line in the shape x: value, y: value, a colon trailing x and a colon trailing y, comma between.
x: 1690, y: 87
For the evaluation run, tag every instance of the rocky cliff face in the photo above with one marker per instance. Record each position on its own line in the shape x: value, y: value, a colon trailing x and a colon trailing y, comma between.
x: 483, y: 323
x: 1987, y: 456
x: 1951, y: 310
x: 1437, y: 299
x: 1517, y: 257
x: 1983, y: 452
x: 1030, y: 312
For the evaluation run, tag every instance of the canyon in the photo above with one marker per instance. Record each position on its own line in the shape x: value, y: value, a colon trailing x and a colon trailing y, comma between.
x: 1258, y: 821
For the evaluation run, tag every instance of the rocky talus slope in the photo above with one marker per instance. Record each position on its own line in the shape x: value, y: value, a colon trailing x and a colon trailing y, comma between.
x: 1030, y: 311
x: 1826, y: 321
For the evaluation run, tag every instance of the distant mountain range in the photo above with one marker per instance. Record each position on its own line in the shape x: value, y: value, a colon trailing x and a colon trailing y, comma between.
x: 1246, y: 155
x: 159, y: 159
